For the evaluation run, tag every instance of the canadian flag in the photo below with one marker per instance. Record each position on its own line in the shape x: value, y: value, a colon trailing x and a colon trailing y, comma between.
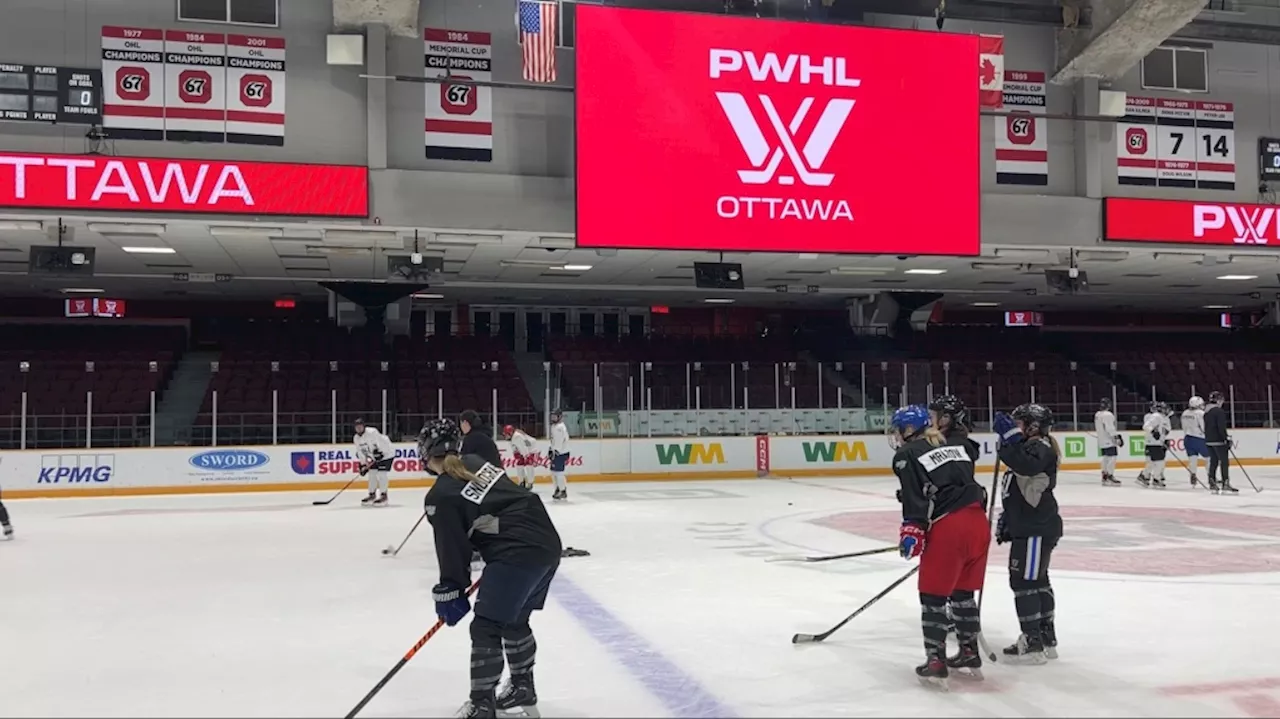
x: 991, y: 70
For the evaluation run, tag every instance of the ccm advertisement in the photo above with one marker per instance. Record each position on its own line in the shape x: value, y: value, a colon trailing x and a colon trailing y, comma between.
x: 715, y: 133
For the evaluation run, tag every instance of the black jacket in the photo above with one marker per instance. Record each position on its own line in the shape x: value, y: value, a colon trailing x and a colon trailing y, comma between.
x: 960, y: 438
x: 479, y: 441
x: 944, y: 474
x: 1215, y: 425
x: 1030, y: 508
x: 495, y: 516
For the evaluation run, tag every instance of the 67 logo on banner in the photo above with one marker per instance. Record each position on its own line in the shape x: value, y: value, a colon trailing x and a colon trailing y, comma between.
x: 458, y: 99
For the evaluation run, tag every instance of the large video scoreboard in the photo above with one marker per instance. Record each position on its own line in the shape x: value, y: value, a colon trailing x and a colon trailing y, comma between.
x: 52, y: 95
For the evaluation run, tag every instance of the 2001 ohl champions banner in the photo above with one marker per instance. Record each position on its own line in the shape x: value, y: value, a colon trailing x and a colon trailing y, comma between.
x: 192, y: 86
x: 718, y: 133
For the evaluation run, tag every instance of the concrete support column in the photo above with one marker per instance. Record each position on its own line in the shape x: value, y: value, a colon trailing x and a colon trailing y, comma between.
x: 375, y: 52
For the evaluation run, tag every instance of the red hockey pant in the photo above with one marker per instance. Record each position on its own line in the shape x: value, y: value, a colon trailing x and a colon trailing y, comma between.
x: 955, y: 552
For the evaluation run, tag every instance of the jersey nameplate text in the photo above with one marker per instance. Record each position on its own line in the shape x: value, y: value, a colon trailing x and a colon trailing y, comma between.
x: 477, y: 490
x: 933, y: 459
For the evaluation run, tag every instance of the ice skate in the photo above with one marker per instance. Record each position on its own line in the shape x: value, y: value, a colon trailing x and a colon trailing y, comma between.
x: 968, y: 661
x: 560, y: 495
x: 1109, y: 480
x: 1158, y: 483
x: 381, y: 501
x: 478, y: 708
x: 933, y: 673
x: 1143, y: 480
x: 8, y: 531
x: 1226, y: 488
x: 368, y: 501
x: 1050, y: 637
x: 519, y: 698
x: 1027, y: 650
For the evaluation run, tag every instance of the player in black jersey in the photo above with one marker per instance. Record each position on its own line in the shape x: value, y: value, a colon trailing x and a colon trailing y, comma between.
x: 4, y: 522
x: 944, y: 523
x: 1032, y: 522
x: 952, y: 419
x: 473, y: 504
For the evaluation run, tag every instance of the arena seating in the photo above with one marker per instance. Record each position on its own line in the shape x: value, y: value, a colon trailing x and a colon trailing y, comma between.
x: 57, y: 381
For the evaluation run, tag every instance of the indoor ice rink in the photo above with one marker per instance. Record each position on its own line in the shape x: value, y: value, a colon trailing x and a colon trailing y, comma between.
x: 260, y: 604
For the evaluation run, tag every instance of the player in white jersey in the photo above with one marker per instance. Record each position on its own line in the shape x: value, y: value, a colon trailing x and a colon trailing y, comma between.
x: 1109, y: 441
x: 1193, y: 439
x: 558, y: 455
x: 375, y: 455
x: 523, y: 449
x: 1155, y: 430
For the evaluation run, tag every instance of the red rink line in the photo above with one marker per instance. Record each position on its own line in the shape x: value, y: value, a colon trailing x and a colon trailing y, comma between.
x: 1252, y: 701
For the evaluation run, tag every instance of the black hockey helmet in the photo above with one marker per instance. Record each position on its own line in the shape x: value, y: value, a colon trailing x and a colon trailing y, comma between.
x: 556, y: 415
x: 949, y: 404
x: 1216, y: 397
x: 1035, y: 417
x: 1104, y: 404
x: 1160, y: 407
x: 438, y: 438
x: 359, y: 425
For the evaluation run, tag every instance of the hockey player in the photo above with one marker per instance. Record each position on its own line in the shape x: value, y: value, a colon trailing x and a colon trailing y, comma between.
x: 1032, y: 523
x: 1155, y: 431
x: 951, y: 417
x: 1193, y: 436
x: 473, y: 504
x: 1219, y: 443
x: 558, y: 454
x: 376, y: 455
x: 944, y: 523
x: 1109, y: 441
x: 4, y: 522
x: 477, y: 438
x: 522, y: 452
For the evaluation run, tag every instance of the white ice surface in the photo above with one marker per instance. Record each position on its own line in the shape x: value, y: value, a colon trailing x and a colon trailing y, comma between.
x: 263, y: 605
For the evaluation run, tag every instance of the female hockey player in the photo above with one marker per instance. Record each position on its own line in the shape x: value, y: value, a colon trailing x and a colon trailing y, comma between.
x: 1155, y: 432
x: 558, y: 454
x: 375, y: 455
x: 522, y: 452
x: 944, y: 523
x: 1109, y: 441
x: 951, y: 417
x: 1032, y: 523
x: 4, y: 522
x: 473, y: 504
x: 1193, y: 436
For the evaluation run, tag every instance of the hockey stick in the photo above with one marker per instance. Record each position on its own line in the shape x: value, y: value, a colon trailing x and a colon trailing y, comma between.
x: 403, y: 661
x: 389, y: 552
x: 320, y: 502
x: 812, y: 638
x: 1195, y: 481
x: 991, y: 524
x: 1243, y: 471
x: 829, y: 557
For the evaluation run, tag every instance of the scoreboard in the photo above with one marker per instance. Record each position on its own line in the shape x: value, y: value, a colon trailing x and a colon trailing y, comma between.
x: 52, y: 95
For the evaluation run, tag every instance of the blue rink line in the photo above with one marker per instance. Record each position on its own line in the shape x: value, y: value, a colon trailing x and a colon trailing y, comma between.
x: 679, y: 692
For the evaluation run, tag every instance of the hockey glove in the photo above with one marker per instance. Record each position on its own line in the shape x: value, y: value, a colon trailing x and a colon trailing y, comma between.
x: 1006, y: 428
x: 898, y: 494
x: 910, y: 540
x: 551, y: 455
x: 1119, y: 441
x: 1002, y: 531
x: 364, y: 469
x: 451, y: 602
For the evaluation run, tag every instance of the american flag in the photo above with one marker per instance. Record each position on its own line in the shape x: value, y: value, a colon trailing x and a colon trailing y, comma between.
x: 538, y: 40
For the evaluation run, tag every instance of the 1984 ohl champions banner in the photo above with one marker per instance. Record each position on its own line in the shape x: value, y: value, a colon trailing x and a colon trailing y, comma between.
x: 459, y: 118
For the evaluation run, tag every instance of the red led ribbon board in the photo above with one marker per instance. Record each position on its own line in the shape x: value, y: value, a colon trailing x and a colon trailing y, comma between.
x: 135, y: 184
x: 1191, y: 222
x: 706, y: 132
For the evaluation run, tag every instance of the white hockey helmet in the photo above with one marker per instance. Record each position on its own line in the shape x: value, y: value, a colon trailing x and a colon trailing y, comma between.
x: 1196, y: 402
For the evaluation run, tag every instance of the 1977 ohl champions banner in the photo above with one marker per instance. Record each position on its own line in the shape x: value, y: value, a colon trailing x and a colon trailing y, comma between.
x: 722, y: 133
x: 459, y: 118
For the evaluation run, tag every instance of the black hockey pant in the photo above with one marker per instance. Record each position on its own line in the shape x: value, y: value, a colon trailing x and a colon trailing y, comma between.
x: 1219, y: 455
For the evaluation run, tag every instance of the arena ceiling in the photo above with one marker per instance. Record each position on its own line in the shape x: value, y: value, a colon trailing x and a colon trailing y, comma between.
x: 143, y: 259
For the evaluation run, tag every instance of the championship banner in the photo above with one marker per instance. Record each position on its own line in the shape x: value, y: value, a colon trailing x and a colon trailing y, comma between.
x: 255, y: 90
x: 1176, y: 143
x: 195, y: 96
x: 459, y: 118
x: 1022, y: 143
x: 133, y: 83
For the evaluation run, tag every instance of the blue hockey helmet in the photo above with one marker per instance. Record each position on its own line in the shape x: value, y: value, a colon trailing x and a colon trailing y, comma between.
x: 909, y: 420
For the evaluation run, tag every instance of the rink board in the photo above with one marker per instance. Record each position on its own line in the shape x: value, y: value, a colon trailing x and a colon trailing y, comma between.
x: 197, y: 470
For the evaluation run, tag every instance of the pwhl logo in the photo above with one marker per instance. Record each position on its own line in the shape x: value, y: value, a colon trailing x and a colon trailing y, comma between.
x: 806, y: 159
x: 1252, y: 225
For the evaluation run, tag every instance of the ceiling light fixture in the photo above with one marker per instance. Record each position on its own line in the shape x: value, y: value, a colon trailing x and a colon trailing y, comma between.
x: 123, y: 228
x: 245, y: 231
x: 986, y: 304
x: 1217, y: 307
x: 718, y: 301
x: 30, y: 225
x: 855, y: 270
x: 1230, y: 278
x: 149, y: 250
x: 427, y: 296
x: 573, y: 268
x: 920, y: 271
x: 83, y: 291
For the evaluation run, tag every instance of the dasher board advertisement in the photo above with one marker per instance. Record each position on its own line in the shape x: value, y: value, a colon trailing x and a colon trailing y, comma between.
x: 708, y: 132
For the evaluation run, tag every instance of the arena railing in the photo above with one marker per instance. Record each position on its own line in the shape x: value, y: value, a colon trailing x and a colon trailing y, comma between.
x: 54, y: 404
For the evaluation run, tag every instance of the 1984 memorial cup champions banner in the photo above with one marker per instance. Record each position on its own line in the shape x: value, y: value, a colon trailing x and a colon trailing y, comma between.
x: 459, y: 118
x: 193, y: 86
